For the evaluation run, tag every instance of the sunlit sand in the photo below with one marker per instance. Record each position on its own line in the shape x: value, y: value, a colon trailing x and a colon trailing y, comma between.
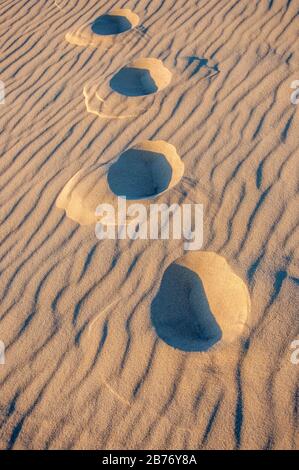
x: 146, y: 342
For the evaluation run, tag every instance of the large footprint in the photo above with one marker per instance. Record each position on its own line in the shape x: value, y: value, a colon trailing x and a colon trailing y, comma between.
x: 129, y: 91
x: 139, y: 85
x: 105, y: 29
x: 201, y: 303
x: 143, y: 172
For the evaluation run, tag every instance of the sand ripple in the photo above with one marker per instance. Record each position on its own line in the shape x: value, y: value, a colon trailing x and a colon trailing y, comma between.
x: 85, y: 367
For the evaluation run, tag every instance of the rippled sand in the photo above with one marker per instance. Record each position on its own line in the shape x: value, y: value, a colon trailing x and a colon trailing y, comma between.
x: 86, y: 366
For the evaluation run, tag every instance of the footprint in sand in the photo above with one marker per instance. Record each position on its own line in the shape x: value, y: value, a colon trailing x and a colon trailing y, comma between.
x: 105, y: 29
x: 142, y: 172
x: 129, y: 91
x: 134, y: 88
x: 201, y: 303
x: 145, y: 171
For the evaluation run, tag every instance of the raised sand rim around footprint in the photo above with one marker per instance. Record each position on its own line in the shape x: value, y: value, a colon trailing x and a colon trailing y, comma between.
x: 105, y: 28
x: 140, y: 173
x: 128, y: 92
x: 116, y: 21
x: 141, y: 77
x: 201, y: 303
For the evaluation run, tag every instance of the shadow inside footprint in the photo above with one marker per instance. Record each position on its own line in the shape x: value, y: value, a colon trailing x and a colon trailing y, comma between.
x: 139, y: 174
x: 131, y: 81
x: 181, y: 314
x: 107, y: 25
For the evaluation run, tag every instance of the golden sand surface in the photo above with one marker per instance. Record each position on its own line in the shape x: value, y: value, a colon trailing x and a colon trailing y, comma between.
x: 138, y: 344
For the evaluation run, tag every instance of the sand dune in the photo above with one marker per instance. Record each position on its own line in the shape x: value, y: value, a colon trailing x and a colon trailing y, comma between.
x: 85, y: 366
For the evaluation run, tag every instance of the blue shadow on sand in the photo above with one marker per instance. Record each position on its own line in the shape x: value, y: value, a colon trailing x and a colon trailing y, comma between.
x: 139, y: 174
x: 181, y: 314
x: 131, y: 81
x: 200, y: 62
x: 107, y: 25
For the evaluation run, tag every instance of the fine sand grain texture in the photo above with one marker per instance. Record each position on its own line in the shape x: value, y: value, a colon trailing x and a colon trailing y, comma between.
x: 87, y: 362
